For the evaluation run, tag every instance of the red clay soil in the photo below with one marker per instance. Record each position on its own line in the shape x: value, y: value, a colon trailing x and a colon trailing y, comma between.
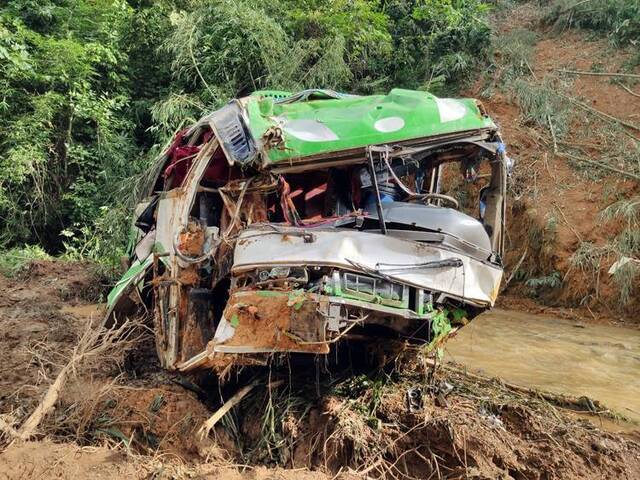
x: 143, y: 425
x: 551, y: 187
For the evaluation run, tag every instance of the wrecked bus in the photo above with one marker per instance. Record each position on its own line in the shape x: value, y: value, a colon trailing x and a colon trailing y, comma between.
x: 290, y: 222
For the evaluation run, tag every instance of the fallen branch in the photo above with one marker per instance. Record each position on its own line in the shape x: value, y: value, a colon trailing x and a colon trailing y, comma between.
x: 628, y: 90
x: 602, y: 114
x: 203, y: 431
x: 95, y: 343
x: 575, y: 232
x: 29, y: 427
x: 599, y: 74
x: 513, y: 272
x: 600, y: 165
x: 582, y: 403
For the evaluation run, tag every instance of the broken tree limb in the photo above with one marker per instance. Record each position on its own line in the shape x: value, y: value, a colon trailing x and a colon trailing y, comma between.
x: 95, y: 343
x: 29, y: 427
x: 513, y: 272
x: 203, y: 431
x: 600, y: 165
x: 566, y: 221
x: 581, y: 403
x: 628, y: 90
x: 602, y: 114
x: 599, y: 74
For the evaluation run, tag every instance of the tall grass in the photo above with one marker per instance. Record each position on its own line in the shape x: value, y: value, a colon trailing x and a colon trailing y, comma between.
x: 626, y: 245
x: 14, y: 259
x: 619, y: 20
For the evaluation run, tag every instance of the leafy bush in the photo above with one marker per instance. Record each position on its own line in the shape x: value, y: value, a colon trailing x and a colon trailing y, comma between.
x: 89, y: 89
x: 67, y: 138
x: 618, y: 19
x: 546, y: 282
x: 12, y: 260
x: 541, y: 105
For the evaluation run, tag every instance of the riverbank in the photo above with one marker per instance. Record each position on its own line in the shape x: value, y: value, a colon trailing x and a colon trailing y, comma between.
x: 562, y: 356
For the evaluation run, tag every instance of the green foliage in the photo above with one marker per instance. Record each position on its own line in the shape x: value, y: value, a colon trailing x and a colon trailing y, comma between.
x: 365, y: 394
x: 545, y: 282
x: 12, y: 260
x: 67, y: 137
x: 541, y: 105
x: 437, y: 40
x: 588, y: 257
x: 618, y: 19
x: 513, y: 55
x: 90, y: 88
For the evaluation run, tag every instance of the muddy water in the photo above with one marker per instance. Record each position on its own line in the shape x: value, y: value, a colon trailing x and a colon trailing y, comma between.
x: 560, y: 356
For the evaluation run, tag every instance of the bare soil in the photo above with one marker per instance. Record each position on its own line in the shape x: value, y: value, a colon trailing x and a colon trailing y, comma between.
x: 549, y: 185
x: 141, y: 422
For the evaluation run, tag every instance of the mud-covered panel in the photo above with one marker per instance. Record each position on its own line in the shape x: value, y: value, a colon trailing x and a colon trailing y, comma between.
x: 267, y: 321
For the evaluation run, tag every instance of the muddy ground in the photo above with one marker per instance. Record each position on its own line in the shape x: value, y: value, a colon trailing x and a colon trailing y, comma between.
x: 556, y: 204
x: 126, y: 417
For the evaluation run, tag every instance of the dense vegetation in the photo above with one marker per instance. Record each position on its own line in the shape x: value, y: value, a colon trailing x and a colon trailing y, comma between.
x: 89, y: 89
x: 618, y: 19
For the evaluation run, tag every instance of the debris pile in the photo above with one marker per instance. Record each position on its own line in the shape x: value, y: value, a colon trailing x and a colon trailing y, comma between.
x: 401, y: 420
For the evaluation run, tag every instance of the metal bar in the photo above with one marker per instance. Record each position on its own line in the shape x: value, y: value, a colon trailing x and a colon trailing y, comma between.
x: 374, y: 182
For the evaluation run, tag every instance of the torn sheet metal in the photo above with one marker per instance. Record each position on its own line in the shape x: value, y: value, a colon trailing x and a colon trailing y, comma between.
x: 474, y: 280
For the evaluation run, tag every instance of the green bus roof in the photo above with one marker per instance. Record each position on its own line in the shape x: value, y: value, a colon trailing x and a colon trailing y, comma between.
x: 319, y: 121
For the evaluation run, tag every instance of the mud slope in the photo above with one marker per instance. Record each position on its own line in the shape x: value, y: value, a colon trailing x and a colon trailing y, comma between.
x: 139, y: 422
x: 556, y: 209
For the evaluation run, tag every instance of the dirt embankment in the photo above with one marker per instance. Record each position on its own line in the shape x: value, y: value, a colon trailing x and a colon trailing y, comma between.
x: 555, y: 223
x: 130, y: 419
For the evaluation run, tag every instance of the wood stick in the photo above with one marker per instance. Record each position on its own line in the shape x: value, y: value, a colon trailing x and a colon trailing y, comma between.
x: 553, y: 135
x: 628, y: 90
x: 203, y: 431
x: 602, y: 114
x: 599, y: 74
x: 575, y: 232
x: 601, y: 165
x: 94, y: 343
x: 48, y: 402
x: 513, y: 272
